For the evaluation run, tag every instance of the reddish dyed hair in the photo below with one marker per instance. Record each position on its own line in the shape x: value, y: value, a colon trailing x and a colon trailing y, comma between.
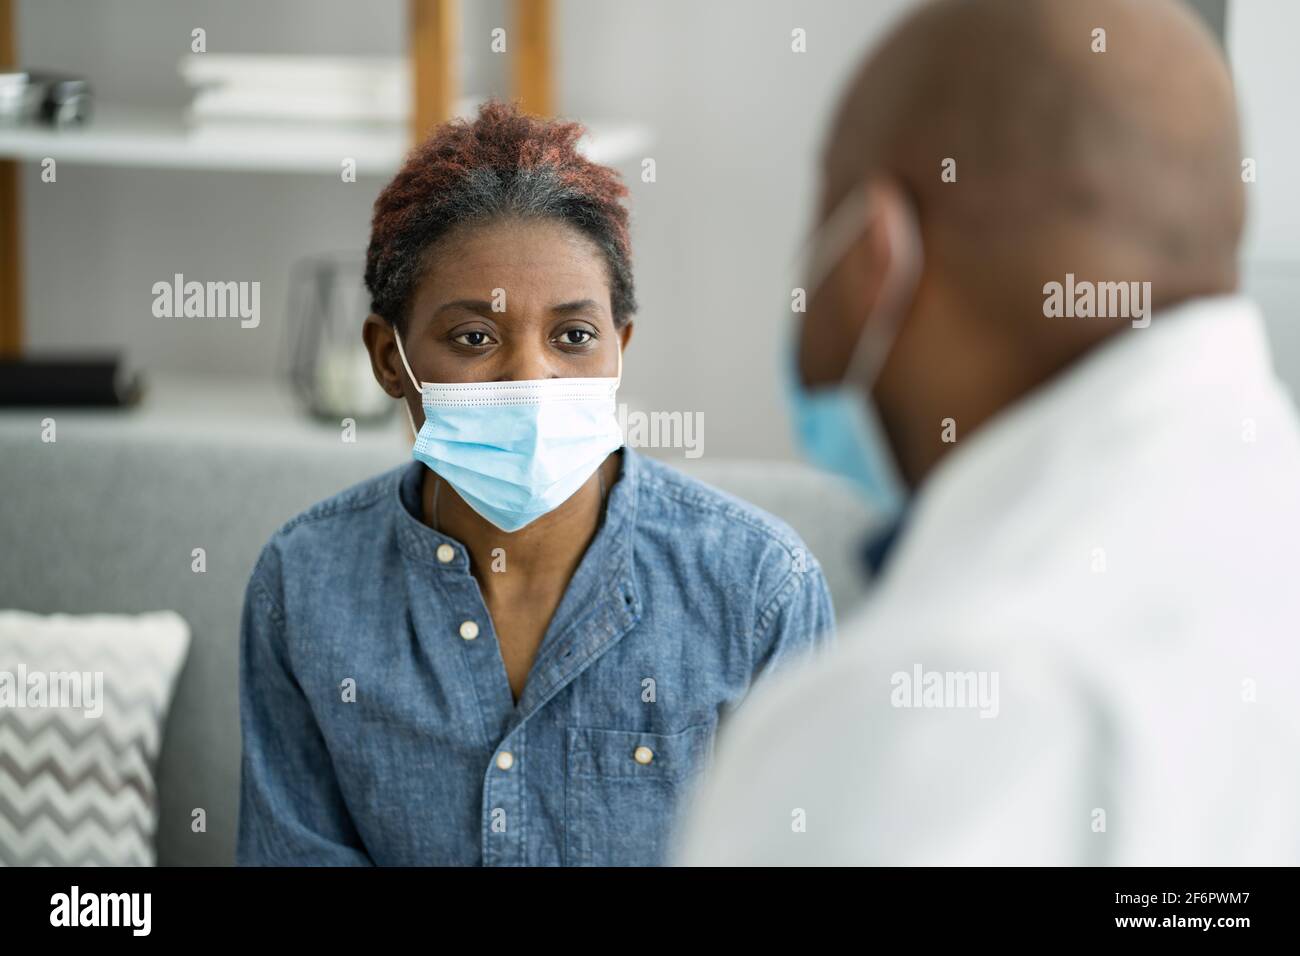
x: 503, y: 164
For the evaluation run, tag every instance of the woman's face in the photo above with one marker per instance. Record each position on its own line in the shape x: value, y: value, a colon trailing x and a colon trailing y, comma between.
x: 513, y: 300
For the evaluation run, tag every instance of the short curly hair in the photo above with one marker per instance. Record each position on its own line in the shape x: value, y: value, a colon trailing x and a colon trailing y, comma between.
x: 504, y: 164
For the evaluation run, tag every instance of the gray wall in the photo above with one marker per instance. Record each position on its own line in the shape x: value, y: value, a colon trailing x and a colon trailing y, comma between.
x: 1215, y: 13
x: 738, y: 121
x: 1261, y: 45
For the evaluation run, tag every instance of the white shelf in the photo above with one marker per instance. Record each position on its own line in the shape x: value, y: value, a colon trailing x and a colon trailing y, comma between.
x: 179, y: 409
x: 158, y: 139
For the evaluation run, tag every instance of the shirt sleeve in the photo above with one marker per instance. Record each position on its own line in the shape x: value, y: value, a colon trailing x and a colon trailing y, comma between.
x: 796, y: 616
x: 291, y: 810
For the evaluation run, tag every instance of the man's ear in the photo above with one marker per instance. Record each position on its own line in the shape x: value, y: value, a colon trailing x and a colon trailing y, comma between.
x: 625, y: 334
x: 868, y: 274
x: 881, y: 269
x: 385, y: 363
x: 894, y: 237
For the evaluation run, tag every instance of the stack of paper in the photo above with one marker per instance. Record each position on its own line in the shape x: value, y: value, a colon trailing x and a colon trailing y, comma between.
x: 290, y: 87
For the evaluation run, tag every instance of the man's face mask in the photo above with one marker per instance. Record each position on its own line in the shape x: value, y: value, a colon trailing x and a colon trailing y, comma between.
x: 838, y: 425
x: 516, y: 450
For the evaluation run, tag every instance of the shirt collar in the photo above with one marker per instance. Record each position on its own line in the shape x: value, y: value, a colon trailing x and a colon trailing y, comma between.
x: 610, y: 549
x: 601, y: 603
x: 1130, y: 381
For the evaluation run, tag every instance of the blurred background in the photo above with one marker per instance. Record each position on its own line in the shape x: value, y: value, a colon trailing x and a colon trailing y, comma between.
x: 134, y: 159
x: 712, y: 92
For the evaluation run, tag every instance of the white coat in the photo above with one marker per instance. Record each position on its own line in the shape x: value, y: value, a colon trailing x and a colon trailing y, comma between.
x: 1085, y: 648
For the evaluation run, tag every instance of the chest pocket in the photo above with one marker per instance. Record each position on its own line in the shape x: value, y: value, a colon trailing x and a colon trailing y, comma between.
x: 624, y: 790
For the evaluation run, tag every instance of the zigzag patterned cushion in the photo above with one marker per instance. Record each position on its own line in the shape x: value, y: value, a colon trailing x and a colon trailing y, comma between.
x: 83, y: 700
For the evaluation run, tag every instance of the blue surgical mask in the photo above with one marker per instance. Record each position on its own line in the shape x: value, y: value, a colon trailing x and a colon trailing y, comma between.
x: 839, y: 431
x: 516, y: 450
x: 838, y: 426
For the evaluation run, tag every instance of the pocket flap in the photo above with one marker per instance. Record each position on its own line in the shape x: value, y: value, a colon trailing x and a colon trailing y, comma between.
x: 613, y: 753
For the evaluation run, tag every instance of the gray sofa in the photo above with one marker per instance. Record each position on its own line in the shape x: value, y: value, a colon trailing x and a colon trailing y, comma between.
x: 105, y: 520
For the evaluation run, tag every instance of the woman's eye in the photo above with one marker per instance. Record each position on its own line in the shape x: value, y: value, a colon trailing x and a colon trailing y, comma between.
x: 474, y: 339
x: 575, y: 337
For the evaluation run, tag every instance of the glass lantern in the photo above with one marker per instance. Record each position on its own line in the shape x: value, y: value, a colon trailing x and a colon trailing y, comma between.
x: 329, y: 365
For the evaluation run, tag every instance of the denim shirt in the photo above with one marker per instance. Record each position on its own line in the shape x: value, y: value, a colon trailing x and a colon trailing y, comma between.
x: 378, y: 724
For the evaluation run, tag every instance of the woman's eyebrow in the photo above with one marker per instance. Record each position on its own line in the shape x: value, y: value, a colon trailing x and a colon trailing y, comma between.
x: 480, y: 306
x: 484, y: 307
x: 579, y: 305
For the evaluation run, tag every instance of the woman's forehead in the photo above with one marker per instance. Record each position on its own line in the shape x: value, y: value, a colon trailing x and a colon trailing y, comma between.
x: 541, y: 263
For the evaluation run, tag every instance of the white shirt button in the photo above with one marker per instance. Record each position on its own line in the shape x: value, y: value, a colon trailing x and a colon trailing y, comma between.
x: 643, y: 755
x: 505, y: 760
x: 468, y: 630
x: 445, y: 553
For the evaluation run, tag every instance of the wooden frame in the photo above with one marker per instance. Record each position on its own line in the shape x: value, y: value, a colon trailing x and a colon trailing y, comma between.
x: 435, y: 34
x: 435, y: 29
x: 532, y: 80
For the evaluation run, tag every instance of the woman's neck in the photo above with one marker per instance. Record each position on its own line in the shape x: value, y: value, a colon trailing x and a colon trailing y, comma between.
x: 547, y: 548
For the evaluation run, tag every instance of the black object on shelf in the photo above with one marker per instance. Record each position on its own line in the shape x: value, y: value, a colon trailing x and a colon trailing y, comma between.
x: 55, y: 99
x: 86, y: 380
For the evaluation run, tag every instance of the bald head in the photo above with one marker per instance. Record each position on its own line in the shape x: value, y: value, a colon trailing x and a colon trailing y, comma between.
x: 1122, y: 164
x: 1095, y: 140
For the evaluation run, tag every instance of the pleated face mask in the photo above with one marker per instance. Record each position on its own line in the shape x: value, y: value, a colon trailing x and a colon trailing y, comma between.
x: 516, y: 450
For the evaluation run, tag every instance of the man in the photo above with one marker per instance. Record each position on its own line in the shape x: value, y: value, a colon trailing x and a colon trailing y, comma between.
x: 1084, y: 647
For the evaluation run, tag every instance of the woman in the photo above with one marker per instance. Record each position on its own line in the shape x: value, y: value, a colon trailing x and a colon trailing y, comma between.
x: 515, y: 649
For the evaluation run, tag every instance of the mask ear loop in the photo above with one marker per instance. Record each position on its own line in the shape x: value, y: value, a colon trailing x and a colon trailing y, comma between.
x: 873, y: 349
x: 618, y: 379
x: 844, y: 226
x: 826, y: 246
x: 407, y: 365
